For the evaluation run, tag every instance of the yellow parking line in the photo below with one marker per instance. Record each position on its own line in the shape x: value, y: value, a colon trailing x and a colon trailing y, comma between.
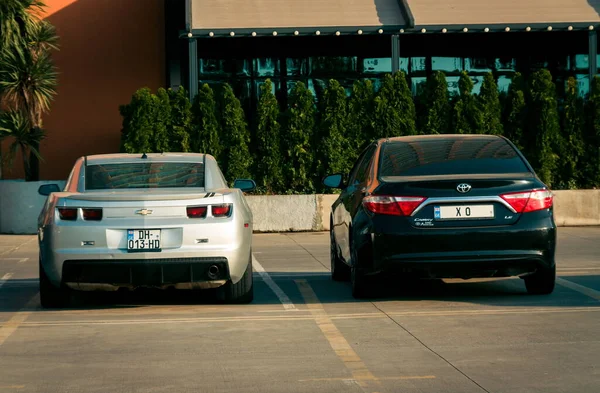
x: 341, y: 347
x: 10, y: 326
x: 579, y: 288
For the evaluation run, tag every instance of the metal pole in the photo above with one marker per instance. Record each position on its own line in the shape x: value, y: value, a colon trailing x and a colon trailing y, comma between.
x: 395, y: 53
x: 592, y: 53
x: 193, y: 72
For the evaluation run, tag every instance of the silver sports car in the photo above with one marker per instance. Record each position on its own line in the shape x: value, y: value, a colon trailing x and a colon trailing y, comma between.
x: 145, y: 220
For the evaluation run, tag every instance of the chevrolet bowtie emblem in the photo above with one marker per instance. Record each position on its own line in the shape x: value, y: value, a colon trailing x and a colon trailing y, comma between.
x: 144, y: 212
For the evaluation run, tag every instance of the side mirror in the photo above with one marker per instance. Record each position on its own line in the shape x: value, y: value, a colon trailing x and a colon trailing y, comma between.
x: 48, y: 189
x: 334, y: 181
x: 245, y: 185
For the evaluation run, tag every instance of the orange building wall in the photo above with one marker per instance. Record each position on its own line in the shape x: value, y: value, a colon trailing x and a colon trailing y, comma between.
x: 108, y: 49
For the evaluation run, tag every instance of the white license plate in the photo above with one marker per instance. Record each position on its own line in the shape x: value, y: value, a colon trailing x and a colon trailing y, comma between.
x: 143, y: 239
x: 463, y: 212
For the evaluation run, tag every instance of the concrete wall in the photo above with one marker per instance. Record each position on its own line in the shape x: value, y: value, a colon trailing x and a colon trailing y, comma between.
x: 20, y: 205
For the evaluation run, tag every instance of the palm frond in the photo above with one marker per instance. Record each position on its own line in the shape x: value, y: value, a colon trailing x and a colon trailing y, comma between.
x: 42, y: 36
x: 15, y: 124
x: 17, y: 18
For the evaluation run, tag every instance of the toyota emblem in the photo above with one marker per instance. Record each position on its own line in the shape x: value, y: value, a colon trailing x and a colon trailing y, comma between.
x: 463, y: 188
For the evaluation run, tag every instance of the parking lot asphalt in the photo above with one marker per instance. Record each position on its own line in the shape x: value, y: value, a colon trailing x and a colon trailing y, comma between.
x: 305, y: 333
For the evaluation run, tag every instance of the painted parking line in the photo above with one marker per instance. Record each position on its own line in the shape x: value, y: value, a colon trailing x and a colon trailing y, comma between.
x: 579, y: 288
x: 360, y: 373
x: 19, y: 260
x: 283, y: 298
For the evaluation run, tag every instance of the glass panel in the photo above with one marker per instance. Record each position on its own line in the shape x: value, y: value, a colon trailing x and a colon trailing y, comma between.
x: 297, y: 67
x: 215, y: 85
x: 417, y: 83
x: 504, y: 83
x: 505, y: 64
x: 477, y: 83
x: 317, y: 86
x: 329, y: 65
x: 446, y: 64
x: 266, y: 67
x: 382, y: 65
x: 242, y: 88
x: 583, y: 84
x: 215, y: 67
x: 453, y: 85
x: 538, y: 62
x: 144, y: 175
x: 377, y: 65
x: 478, y: 64
x: 418, y: 64
x: 243, y: 67
x: 581, y: 62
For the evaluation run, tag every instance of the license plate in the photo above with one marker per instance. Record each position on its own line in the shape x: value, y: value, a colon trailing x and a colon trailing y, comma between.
x: 143, y: 240
x: 463, y: 212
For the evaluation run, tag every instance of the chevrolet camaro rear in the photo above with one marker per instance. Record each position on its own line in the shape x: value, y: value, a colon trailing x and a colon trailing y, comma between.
x: 155, y: 220
x: 446, y: 206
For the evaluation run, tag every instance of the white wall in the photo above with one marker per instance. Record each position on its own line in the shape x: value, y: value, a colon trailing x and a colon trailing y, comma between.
x: 20, y: 205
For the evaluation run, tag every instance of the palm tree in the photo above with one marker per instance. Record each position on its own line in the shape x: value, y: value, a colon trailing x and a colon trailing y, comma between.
x: 17, y: 18
x: 25, y: 138
x: 28, y: 77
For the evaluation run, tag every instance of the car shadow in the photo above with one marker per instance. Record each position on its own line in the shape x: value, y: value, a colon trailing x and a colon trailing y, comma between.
x: 15, y: 294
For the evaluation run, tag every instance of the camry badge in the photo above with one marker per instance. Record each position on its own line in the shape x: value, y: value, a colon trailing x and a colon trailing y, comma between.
x: 144, y: 212
x: 463, y: 188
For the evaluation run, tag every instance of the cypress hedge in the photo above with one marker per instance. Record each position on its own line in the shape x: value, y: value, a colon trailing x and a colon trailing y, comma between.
x: 298, y: 144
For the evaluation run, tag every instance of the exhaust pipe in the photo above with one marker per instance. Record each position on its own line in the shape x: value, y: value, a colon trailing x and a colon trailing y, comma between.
x: 213, y: 272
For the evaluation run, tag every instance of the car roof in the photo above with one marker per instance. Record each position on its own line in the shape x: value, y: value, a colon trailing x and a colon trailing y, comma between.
x: 418, y: 138
x: 117, y: 158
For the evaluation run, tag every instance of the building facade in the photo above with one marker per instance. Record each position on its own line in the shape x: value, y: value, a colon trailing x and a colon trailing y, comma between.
x: 110, y: 48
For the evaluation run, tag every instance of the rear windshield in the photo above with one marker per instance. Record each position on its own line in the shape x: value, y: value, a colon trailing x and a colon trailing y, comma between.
x: 450, y: 156
x: 144, y: 175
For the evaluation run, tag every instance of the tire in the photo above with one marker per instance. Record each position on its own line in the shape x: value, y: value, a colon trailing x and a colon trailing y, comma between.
x: 541, y: 282
x: 51, y: 296
x: 339, y: 270
x: 241, y: 292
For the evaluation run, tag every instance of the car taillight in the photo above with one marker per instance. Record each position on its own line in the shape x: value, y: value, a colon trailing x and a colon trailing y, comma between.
x: 392, y: 205
x: 197, y: 211
x: 529, y: 201
x: 221, y: 210
x: 92, y: 214
x: 67, y: 213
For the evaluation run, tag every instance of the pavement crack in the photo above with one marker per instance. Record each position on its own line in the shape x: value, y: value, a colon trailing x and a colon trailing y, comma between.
x: 431, y: 349
x: 305, y: 249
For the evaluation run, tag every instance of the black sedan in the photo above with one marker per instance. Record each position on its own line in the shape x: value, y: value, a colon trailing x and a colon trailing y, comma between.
x: 442, y: 206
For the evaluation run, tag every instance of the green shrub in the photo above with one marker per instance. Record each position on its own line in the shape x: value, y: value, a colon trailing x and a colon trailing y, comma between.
x: 515, y: 112
x: 236, y: 160
x: 268, y: 161
x: 437, y: 105
x: 489, y: 100
x: 297, y: 150
x: 204, y: 136
x: 395, y: 113
x: 161, y: 141
x: 361, y: 107
x: 569, y: 171
x: 591, y: 163
x: 466, y: 115
x: 544, y: 126
x: 332, y: 131
x: 139, y: 122
x: 180, y: 120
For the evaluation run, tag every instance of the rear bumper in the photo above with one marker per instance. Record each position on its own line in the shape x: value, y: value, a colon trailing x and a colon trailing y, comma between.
x: 179, y: 273
x: 498, y: 251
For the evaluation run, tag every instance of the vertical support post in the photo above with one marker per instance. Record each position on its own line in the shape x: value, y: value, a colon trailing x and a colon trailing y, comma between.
x: 592, y: 52
x: 193, y: 71
x: 395, y: 53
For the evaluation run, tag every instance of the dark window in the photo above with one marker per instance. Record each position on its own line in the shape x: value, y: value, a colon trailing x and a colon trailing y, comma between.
x: 144, y: 175
x: 361, y: 170
x: 450, y: 155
